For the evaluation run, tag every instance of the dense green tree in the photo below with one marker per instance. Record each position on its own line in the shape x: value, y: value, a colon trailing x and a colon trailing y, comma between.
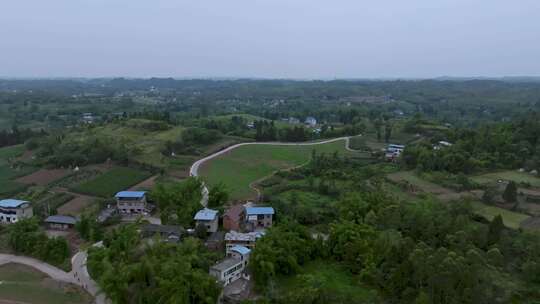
x: 510, y: 192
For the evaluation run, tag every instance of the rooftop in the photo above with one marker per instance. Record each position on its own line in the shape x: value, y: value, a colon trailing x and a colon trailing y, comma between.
x: 241, y: 249
x: 234, y: 212
x: 130, y: 194
x: 226, y: 264
x: 248, y: 237
x: 171, y: 229
x: 61, y: 219
x: 206, y: 215
x: 12, y: 203
x: 259, y: 210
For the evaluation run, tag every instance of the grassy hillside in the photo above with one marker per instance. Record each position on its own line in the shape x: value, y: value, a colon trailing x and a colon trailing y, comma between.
x: 244, y: 165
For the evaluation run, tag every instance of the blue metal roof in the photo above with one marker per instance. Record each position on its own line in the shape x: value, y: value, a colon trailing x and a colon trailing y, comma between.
x: 241, y: 249
x: 259, y: 210
x: 206, y: 215
x: 11, y: 203
x: 130, y: 194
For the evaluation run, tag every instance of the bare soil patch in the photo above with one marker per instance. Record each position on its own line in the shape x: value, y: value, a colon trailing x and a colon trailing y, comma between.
x: 43, y: 177
x: 76, y: 205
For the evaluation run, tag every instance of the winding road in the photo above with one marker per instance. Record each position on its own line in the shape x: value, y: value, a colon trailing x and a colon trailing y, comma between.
x: 78, y: 274
x: 194, y: 170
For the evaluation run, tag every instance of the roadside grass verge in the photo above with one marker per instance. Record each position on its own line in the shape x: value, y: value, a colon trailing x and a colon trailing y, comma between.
x: 23, y: 284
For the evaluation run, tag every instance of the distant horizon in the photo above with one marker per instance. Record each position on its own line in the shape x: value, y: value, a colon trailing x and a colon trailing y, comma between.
x: 217, y: 78
x: 278, y: 39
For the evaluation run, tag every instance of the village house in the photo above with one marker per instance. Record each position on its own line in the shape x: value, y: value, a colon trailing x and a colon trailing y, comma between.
x: 311, y: 121
x: 60, y: 222
x: 247, y: 240
x: 168, y: 233
x: 209, y: 218
x: 259, y: 217
x: 131, y: 202
x: 234, y: 217
x: 12, y: 210
x: 232, y: 268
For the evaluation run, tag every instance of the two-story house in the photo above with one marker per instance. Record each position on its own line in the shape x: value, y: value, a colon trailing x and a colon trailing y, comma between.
x: 259, y: 217
x: 209, y: 218
x: 131, y: 202
x: 232, y: 267
x: 12, y: 210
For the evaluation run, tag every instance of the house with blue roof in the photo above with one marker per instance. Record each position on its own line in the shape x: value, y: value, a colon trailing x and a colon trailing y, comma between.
x: 233, y: 266
x: 259, y: 217
x: 131, y: 202
x: 12, y: 210
x: 208, y: 218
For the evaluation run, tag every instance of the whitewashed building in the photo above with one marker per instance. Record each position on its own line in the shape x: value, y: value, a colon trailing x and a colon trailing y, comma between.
x: 209, y: 218
x: 12, y: 210
x: 233, y: 267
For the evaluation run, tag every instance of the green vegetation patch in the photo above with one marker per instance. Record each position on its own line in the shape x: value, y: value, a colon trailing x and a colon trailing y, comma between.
x: 112, y: 181
x: 9, y: 172
x: 516, y: 176
x: 510, y: 219
x: 332, y: 277
x: 417, y: 183
x: 240, y: 167
x: 24, y: 284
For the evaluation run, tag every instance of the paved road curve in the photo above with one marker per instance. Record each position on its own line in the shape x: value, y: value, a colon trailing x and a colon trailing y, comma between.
x: 194, y: 170
x: 78, y: 274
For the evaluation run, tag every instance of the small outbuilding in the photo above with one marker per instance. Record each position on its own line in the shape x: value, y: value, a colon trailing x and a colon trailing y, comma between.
x: 60, y: 222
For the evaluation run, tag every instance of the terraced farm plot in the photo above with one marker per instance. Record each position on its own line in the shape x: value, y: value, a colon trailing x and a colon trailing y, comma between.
x: 238, y: 168
x: 516, y: 176
x: 112, y: 181
x: 23, y: 284
x: 418, y: 183
x: 510, y: 219
x: 9, y: 174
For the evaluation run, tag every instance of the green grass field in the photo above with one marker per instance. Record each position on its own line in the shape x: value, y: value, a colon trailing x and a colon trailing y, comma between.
x: 513, y: 175
x: 112, y: 181
x: 335, y: 279
x: 510, y: 219
x: 7, y: 174
x: 22, y: 284
x: 246, y: 164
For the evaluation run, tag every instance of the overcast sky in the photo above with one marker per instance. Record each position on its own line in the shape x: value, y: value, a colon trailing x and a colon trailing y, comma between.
x: 269, y: 38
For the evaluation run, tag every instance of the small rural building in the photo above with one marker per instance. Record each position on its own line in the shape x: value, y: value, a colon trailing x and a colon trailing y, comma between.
x: 247, y: 240
x: 60, y: 222
x: 393, y: 148
x: 311, y: 121
x: 131, y: 202
x: 231, y: 268
x: 259, y: 217
x: 12, y: 210
x: 169, y: 233
x: 209, y: 218
x: 234, y: 218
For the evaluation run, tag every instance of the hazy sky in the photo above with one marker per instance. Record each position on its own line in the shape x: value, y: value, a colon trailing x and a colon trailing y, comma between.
x: 269, y: 38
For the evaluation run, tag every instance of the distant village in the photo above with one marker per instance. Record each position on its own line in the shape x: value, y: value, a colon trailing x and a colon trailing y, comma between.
x: 235, y: 233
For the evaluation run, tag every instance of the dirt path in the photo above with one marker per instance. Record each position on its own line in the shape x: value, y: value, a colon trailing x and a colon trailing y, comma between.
x: 194, y: 169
